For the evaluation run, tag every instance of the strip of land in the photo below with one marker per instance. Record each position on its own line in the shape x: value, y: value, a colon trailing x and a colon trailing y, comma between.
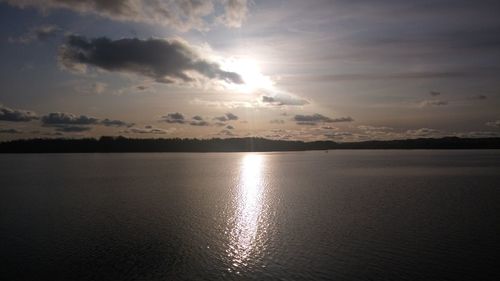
x: 122, y: 144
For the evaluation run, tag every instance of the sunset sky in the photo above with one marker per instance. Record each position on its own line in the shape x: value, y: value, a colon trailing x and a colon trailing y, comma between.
x: 309, y: 70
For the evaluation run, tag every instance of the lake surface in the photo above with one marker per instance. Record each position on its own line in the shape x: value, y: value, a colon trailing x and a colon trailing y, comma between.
x: 342, y: 215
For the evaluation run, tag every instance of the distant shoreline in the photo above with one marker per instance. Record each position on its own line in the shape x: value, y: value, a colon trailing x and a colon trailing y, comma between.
x: 121, y: 144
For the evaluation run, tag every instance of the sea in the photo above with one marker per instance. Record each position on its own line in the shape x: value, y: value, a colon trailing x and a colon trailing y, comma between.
x: 314, y: 215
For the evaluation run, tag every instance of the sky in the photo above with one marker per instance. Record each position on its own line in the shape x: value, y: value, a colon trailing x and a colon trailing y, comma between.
x: 341, y: 70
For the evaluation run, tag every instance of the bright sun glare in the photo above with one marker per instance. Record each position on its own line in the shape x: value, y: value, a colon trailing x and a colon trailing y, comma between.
x: 251, y: 74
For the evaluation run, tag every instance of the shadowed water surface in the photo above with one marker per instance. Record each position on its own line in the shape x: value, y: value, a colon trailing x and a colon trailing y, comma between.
x: 342, y: 215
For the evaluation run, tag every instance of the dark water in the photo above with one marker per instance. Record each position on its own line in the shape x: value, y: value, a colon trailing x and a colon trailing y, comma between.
x: 342, y: 215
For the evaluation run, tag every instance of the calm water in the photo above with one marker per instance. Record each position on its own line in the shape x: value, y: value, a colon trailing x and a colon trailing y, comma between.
x: 342, y: 215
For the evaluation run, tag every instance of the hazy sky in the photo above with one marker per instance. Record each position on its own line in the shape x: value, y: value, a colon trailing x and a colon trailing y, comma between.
x: 339, y: 70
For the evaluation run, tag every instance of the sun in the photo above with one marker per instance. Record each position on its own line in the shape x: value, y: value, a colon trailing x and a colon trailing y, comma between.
x: 250, y: 72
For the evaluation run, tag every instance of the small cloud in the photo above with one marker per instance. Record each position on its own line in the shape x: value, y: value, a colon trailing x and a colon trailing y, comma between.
x: 374, y: 128
x: 71, y: 129
x: 148, y: 129
x: 229, y: 127
x: 282, y: 99
x: 477, y: 97
x: 433, y: 103
x: 199, y: 123
x: 226, y: 117
x: 423, y: 132
x: 277, y: 121
x: 115, y: 123
x: 226, y: 132
x: 16, y: 115
x: 434, y: 93
x: 318, y: 118
x: 174, y: 118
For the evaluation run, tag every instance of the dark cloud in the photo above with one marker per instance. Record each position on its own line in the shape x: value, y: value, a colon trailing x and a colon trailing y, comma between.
x: 62, y: 118
x: 197, y: 118
x: 71, y: 123
x: 10, y: 131
x: 226, y: 117
x: 16, y: 115
x: 231, y: 116
x: 495, y: 123
x: 318, y: 118
x: 115, y: 123
x: 141, y: 87
x: 229, y: 127
x: 179, y: 14
x: 174, y: 118
x: 166, y: 61
x: 71, y: 129
x: 148, y: 129
x: 434, y: 93
x: 39, y: 33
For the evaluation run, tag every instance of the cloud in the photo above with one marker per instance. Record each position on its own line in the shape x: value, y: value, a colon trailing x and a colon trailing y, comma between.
x: 283, y: 99
x: 277, y: 121
x: 235, y: 12
x: 174, y: 118
x: 479, y: 134
x: 39, y: 33
x: 166, y: 61
x: 477, y: 97
x: 495, y: 123
x: 182, y: 15
x: 68, y: 122
x: 226, y: 132
x: 71, y: 129
x: 199, y: 123
x: 146, y: 130
x: 62, y: 118
x: 423, y: 132
x: 374, y: 128
x: 16, y: 115
x: 115, y: 123
x: 229, y: 127
x: 434, y: 93
x: 433, y: 103
x: 226, y: 117
x: 10, y: 131
x: 318, y: 118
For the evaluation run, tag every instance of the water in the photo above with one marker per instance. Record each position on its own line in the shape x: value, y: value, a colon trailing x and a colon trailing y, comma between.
x: 342, y: 215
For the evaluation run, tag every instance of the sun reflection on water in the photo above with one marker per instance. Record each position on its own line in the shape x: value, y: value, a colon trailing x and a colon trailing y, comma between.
x: 249, y: 223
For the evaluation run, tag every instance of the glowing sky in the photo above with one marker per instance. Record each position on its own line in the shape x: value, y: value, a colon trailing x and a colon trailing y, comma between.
x: 331, y: 70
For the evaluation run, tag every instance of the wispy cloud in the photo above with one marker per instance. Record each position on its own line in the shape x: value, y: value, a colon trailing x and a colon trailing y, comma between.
x: 182, y: 15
